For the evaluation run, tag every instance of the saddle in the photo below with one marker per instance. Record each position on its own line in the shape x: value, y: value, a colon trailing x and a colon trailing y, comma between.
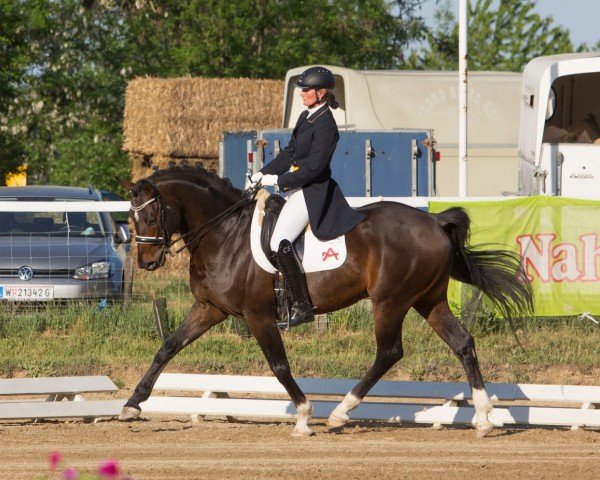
x: 315, y: 255
x: 273, y: 206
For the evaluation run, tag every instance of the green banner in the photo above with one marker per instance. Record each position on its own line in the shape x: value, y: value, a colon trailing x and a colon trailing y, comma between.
x: 557, y: 238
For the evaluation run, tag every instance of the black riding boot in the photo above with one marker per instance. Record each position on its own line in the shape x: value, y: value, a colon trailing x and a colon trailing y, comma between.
x: 289, y: 265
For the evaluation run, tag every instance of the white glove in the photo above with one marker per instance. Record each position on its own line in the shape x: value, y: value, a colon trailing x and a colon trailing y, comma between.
x: 254, y: 179
x: 268, y: 180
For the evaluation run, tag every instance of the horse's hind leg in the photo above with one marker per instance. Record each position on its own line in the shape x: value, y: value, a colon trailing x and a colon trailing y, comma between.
x: 199, y: 319
x: 445, y: 324
x: 388, y: 334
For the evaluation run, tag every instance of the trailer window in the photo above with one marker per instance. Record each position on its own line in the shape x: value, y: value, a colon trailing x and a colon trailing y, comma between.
x: 575, y: 116
x: 551, y: 107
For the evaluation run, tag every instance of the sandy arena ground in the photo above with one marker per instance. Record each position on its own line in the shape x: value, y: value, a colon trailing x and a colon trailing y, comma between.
x: 158, y: 447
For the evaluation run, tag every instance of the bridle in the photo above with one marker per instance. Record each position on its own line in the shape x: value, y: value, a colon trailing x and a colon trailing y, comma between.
x: 164, y: 237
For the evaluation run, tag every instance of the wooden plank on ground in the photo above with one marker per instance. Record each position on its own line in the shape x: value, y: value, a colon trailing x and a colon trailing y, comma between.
x: 56, y: 385
x: 389, y: 412
x: 64, y: 409
x: 397, y: 389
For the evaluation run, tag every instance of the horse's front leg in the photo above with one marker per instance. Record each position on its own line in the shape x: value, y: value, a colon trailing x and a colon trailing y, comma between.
x: 199, y: 319
x: 268, y: 337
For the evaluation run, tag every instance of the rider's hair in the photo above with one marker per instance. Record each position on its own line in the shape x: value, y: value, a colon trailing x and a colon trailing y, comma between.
x: 329, y: 97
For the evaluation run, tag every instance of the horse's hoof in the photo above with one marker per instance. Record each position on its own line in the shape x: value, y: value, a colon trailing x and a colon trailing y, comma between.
x: 337, y: 420
x: 302, y: 432
x: 484, y: 430
x: 129, y: 413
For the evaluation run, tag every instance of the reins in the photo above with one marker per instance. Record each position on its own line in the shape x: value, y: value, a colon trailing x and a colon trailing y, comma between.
x: 197, y: 232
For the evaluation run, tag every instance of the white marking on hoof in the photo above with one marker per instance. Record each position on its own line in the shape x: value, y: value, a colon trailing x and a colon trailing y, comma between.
x: 483, y: 406
x: 129, y: 413
x: 304, y: 415
x: 336, y: 420
x: 484, y: 430
x: 303, y: 431
x: 339, y: 417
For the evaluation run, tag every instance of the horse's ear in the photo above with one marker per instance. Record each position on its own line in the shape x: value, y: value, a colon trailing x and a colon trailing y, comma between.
x: 126, y: 184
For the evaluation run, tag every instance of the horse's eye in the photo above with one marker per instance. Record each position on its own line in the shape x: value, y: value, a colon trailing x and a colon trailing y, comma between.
x: 152, y: 221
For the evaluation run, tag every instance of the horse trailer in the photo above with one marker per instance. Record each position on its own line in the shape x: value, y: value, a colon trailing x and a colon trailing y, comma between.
x: 391, y: 163
x: 402, y: 99
x: 390, y: 100
x: 559, y: 136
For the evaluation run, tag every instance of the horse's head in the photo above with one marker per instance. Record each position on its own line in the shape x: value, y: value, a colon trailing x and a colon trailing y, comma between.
x: 155, y: 220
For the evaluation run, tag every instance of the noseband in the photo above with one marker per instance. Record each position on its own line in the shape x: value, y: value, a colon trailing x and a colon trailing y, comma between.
x: 198, y: 232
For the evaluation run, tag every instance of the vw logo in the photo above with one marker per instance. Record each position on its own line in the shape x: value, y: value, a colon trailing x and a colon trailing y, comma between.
x: 25, y: 273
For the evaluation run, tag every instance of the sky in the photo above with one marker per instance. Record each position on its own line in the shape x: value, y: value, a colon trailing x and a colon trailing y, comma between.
x: 580, y: 17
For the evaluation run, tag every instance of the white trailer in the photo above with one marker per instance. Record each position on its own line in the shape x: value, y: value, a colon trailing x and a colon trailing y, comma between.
x: 393, y: 99
x: 559, y: 133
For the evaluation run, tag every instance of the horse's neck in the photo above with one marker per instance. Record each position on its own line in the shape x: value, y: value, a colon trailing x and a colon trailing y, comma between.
x: 201, y: 206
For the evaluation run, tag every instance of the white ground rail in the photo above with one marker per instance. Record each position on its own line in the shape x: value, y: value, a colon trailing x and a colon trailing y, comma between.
x: 445, y: 403
x: 123, y: 206
x: 70, y: 206
x: 63, y: 398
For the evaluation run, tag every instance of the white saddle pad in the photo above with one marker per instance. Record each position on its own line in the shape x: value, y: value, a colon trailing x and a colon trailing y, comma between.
x: 318, y: 256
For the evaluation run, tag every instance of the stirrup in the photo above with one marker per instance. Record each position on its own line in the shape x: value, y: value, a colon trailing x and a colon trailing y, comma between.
x: 299, y: 314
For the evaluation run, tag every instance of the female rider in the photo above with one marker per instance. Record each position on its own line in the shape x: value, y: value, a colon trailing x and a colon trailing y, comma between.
x: 302, y: 172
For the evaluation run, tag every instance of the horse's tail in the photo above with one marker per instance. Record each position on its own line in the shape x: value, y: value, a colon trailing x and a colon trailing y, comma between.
x: 498, y: 273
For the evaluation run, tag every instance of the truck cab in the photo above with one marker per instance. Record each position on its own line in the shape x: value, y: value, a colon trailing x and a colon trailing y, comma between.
x: 559, y: 127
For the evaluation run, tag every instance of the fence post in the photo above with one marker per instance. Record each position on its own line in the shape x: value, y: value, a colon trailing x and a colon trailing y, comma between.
x: 161, y: 316
x: 321, y: 322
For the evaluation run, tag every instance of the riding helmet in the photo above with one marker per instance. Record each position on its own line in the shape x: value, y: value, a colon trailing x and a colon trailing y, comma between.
x: 316, y: 77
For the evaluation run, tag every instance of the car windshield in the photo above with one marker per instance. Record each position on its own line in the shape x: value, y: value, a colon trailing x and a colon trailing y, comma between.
x: 84, y: 224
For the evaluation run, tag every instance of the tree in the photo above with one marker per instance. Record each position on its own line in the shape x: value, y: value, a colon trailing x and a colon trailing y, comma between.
x: 70, y: 92
x: 264, y: 38
x: 14, y: 61
x: 505, y: 38
x: 69, y: 63
x: 584, y: 47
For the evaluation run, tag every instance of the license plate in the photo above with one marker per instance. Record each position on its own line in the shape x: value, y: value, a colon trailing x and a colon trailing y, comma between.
x: 8, y: 292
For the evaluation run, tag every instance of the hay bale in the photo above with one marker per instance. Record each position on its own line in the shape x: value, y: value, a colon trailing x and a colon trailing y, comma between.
x: 186, y: 117
x: 170, y: 120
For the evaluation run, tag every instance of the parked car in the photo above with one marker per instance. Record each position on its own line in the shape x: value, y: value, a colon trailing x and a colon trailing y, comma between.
x: 62, y: 255
x: 120, y: 218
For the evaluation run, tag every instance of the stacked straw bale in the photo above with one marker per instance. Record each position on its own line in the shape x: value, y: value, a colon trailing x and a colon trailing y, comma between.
x: 184, y: 118
x: 169, y: 120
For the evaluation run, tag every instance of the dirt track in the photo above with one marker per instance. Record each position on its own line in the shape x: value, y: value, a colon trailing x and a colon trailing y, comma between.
x: 166, y: 448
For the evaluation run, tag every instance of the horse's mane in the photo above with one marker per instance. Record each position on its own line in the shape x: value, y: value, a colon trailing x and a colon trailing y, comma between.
x: 196, y: 172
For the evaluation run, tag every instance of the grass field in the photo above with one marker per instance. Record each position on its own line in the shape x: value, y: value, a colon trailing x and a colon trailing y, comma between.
x: 80, y: 338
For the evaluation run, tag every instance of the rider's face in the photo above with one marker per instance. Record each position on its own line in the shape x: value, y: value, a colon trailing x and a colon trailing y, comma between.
x: 309, y: 95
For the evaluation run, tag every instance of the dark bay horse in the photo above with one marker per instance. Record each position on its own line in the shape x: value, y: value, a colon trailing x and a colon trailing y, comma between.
x: 399, y: 257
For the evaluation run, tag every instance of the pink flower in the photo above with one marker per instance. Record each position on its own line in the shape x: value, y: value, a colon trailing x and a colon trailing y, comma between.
x: 70, y: 474
x: 109, y: 469
x: 54, y: 459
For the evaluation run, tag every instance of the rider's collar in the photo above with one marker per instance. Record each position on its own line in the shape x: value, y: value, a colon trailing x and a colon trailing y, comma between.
x: 314, y: 108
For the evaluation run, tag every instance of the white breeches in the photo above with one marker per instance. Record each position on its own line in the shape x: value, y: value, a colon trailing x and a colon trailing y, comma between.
x: 292, y: 219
